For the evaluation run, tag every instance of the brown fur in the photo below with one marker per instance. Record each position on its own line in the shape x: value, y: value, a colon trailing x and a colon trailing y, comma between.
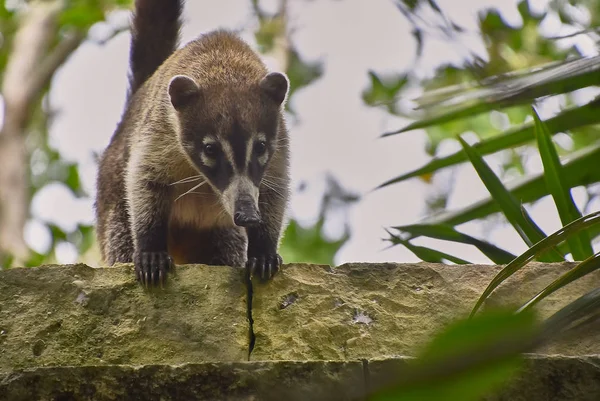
x: 153, y: 148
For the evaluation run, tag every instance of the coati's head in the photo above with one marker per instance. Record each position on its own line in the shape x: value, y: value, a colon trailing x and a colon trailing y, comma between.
x: 230, y: 133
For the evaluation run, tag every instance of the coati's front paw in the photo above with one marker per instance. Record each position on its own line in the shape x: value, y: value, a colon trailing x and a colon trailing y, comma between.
x: 264, y: 266
x: 151, y: 268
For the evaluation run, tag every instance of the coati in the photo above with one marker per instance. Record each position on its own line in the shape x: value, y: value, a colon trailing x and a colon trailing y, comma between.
x: 197, y: 170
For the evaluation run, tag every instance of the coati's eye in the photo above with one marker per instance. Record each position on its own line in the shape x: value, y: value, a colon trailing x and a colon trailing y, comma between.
x: 209, y: 150
x: 260, y: 148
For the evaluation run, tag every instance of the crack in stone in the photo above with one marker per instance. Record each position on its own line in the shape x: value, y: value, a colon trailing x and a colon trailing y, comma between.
x: 249, y: 296
x: 366, y: 378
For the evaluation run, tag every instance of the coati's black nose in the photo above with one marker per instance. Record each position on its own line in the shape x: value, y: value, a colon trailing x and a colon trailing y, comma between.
x: 240, y: 219
x: 245, y: 214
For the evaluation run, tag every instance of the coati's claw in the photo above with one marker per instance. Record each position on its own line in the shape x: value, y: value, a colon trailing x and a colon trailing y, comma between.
x: 251, y: 266
x: 265, y: 267
x: 151, y: 268
x: 161, y: 278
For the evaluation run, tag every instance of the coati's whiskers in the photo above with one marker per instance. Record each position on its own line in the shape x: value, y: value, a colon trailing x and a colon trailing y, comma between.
x: 190, y: 191
x: 272, y: 186
x: 222, y: 212
x: 200, y: 194
x: 272, y: 177
x: 188, y: 179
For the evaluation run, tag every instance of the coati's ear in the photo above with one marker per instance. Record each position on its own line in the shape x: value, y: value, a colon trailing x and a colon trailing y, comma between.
x: 276, y: 85
x: 182, y: 91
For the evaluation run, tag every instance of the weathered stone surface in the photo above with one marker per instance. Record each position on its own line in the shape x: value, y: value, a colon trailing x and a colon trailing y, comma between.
x: 544, y: 378
x: 77, y: 315
x: 77, y: 333
x: 556, y: 378
x: 276, y: 381
x: 367, y: 311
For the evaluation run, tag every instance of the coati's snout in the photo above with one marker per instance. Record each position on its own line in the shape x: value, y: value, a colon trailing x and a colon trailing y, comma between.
x: 240, y: 200
x: 245, y: 213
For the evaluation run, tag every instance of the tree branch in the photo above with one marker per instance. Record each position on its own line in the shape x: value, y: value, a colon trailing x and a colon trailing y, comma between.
x: 45, y: 71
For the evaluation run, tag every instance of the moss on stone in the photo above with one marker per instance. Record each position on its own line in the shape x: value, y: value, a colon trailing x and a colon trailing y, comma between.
x: 77, y: 315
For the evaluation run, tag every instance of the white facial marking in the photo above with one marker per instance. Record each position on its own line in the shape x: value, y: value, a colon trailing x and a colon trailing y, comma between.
x: 240, y: 186
x: 229, y: 154
x: 249, y: 151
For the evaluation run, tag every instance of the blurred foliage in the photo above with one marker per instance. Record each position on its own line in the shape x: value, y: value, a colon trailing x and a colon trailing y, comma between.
x: 568, y: 232
x: 46, y: 165
x: 273, y: 35
x: 310, y: 244
x: 521, y: 68
x: 383, y: 91
x: 508, y: 49
x: 469, y: 359
x: 477, y: 357
x: 484, y: 96
x: 8, y: 26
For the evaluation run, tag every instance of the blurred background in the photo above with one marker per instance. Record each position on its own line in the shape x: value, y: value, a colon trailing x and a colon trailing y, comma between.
x: 358, y: 70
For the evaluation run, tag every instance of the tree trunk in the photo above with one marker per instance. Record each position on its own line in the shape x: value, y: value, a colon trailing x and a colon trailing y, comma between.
x: 28, y: 71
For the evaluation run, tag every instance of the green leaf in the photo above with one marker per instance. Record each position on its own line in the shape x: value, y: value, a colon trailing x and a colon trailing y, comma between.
x: 308, y: 245
x: 524, y: 86
x: 81, y: 15
x: 427, y: 254
x: 592, y: 219
x: 6, y: 260
x: 587, y: 266
x: 448, y: 233
x: 513, y: 90
x: 569, y: 119
x: 518, y: 218
x: 580, y: 244
x: 35, y: 259
x: 57, y: 233
x: 301, y: 73
x: 444, y: 118
x: 88, y: 237
x: 466, y: 361
x: 72, y: 179
x: 384, y: 91
x: 269, y: 30
x: 580, y: 170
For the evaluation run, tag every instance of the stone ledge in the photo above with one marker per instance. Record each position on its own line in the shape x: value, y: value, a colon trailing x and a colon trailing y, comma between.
x: 76, y: 332
x: 546, y: 378
x: 365, y: 311
x: 78, y: 315
x: 206, y: 381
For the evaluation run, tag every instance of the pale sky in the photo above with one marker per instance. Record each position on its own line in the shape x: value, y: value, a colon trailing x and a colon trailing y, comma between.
x: 335, y: 132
